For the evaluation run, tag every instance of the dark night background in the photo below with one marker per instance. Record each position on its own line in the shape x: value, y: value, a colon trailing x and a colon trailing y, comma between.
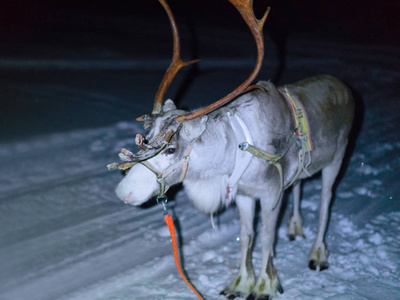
x: 367, y: 20
x: 37, y: 33
x: 363, y: 21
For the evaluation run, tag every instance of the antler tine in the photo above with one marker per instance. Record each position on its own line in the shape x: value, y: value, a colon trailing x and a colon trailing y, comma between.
x: 245, y: 8
x: 175, y: 66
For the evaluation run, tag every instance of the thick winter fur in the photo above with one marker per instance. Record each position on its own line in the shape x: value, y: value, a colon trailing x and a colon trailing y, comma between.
x: 329, y: 106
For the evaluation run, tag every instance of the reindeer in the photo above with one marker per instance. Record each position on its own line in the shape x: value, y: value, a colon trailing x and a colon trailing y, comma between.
x: 245, y: 150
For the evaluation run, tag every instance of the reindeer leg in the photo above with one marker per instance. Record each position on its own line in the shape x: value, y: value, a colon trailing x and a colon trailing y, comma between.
x: 295, y: 224
x: 268, y: 282
x: 318, y: 258
x: 244, y: 281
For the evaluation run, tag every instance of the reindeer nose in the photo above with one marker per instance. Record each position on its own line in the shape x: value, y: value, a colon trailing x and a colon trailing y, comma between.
x: 127, y: 199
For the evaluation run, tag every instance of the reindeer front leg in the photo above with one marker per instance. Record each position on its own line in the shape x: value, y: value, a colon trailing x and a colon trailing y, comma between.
x: 244, y: 281
x: 268, y: 282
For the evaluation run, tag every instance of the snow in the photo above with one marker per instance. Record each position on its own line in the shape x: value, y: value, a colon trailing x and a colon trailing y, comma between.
x: 65, y: 235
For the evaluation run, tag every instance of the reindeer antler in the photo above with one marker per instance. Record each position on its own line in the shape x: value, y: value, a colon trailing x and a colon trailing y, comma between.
x: 175, y: 66
x: 245, y: 7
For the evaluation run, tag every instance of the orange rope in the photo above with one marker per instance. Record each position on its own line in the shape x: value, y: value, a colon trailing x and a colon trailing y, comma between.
x: 171, y: 228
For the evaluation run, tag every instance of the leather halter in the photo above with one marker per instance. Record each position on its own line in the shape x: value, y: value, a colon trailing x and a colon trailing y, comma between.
x: 161, y: 175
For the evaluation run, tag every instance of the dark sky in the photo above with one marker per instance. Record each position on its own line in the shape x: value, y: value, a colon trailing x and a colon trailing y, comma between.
x: 364, y: 21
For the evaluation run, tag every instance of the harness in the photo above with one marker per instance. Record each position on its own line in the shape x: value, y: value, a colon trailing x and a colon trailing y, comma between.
x: 242, y: 159
x: 303, y: 130
x: 301, y: 137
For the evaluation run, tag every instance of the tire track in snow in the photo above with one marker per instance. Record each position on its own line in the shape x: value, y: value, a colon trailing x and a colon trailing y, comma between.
x: 50, y: 183
x: 61, y: 251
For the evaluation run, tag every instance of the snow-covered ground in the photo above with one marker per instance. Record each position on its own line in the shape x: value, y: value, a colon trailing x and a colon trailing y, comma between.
x: 65, y: 235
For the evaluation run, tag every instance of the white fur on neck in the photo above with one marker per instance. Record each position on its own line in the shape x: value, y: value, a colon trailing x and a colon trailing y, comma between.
x: 207, y: 179
x: 208, y: 194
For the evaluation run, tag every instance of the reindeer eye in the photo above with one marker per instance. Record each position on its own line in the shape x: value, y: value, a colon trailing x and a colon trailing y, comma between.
x: 170, y: 151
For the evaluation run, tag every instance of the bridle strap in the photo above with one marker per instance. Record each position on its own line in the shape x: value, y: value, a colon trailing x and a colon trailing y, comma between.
x: 162, y: 175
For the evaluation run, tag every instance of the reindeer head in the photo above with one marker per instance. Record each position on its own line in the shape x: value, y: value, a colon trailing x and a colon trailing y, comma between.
x: 164, y: 156
x: 171, y: 133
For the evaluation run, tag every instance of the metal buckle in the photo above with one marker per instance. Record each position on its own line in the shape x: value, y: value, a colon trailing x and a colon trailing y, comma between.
x: 163, y: 200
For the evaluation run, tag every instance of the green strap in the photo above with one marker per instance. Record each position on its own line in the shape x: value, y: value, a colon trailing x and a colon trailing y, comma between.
x: 301, y: 120
x: 272, y: 159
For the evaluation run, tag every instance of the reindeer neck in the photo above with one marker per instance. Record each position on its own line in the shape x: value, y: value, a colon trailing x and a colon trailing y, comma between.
x: 213, y: 153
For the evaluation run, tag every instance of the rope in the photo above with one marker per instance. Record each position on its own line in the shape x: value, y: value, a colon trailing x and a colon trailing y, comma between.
x: 171, y: 228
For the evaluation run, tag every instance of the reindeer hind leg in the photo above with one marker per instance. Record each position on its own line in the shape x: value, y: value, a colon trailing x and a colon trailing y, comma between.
x: 318, y: 258
x: 295, y: 223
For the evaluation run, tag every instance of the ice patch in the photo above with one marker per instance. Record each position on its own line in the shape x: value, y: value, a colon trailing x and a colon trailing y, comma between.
x: 127, y: 126
x: 346, y: 194
x: 381, y: 148
x: 163, y: 232
x: 376, y: 239
x: 367, y: 169
x: 307, y: 204
x: 97, y: 146
x: 347, y: 226
x: 208, y: 255
x: 363, y: 191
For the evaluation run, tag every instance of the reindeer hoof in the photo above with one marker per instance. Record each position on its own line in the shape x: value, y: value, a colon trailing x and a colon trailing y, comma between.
x: 253, y: 296
x: 314, y: 265
x: 318, y: 259
x: 279, y: 288
x: 231, y: 295
x: 292, y: 237
x: 295, y: 227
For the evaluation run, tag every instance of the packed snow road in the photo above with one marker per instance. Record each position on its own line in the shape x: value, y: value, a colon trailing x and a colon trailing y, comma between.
x: 65, y: 235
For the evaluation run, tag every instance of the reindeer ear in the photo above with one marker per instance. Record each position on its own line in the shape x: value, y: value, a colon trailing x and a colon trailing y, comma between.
x: 169, y: 105
x: 194, y: 128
